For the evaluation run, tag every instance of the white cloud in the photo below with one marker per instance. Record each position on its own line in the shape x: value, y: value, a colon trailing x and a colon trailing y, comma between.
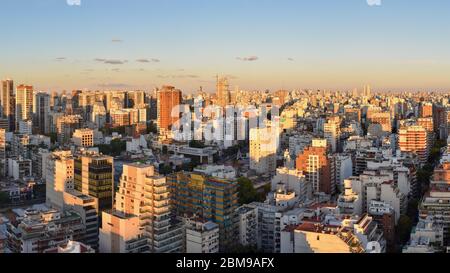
x: 374, y: 2
x: 74, y: 2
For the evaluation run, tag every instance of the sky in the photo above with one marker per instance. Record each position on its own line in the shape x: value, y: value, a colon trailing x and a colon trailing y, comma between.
x: 259, y: 44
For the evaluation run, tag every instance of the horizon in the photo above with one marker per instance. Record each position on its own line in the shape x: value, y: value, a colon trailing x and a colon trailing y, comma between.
x: 323, y: 44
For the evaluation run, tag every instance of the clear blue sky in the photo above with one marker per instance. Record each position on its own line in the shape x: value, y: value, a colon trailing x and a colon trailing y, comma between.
x: 334, y: 44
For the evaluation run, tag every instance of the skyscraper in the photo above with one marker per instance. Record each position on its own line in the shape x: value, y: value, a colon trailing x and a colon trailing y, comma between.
x: 168, y: 97
x: 41, y: 112
x: 8, y: 103
x: 223, y: 92
x: 2, y: 152
x: 24, y: 103
x: 94, y: 176
x: 141, y: 219
x: 263, y: 150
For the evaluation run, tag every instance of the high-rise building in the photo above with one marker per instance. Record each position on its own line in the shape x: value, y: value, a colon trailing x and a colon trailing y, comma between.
x: 319, y: 168
x: 3, y: 166
x: 211, y: 195
x: 94, y: 176
x: 223, y: 92
x: 24, y: 102
x: 436, y: 202
x: 66, y: 126
x: 168, y: 97
x: 263, y: 150
x: 332, y: 132
x: 141, y: 220
x: 8, y: 103
x: 42, y: 112
x: 59, y: 177
x: 425, y: 109
x: 414, y: 139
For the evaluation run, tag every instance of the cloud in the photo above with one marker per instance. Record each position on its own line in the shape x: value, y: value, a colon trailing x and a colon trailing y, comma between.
x: 115, y: 69
x: 291, y: 59
x: 179, y: 76
x: 248, y: 59
x: 153, y: 60
x: 113, y: 85
x: 74, y: 2
x: 110, y: 61
x: 117, y: 40
x: 374, y: 3
x: 60, y: 59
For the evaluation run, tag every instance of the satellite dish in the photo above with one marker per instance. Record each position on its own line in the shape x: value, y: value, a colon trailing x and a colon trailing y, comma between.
x: 373, y: 247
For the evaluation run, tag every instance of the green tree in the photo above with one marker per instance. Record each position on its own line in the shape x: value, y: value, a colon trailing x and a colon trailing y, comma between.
x: 404, y: 228
x: 115, y: 148
x: 247, y: 192
x: 4, y: 198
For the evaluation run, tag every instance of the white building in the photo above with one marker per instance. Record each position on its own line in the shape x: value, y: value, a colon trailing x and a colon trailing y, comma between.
x: 202, y: 237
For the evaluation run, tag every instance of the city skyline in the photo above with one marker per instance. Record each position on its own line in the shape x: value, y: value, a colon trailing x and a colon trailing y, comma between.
x: 257, y: 44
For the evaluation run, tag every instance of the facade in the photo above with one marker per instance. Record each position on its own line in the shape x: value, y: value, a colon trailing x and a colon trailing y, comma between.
x: 263, y: 150
x: 141, y: 220
x: 8, y: 104
x: 41, y: 111
x: 201, y: 237
x: 209, y: 196
x: 94, y: 176
x: 168, y: 97
x: 319, y: 169
x: 83, y: 138
x: 414, y: 139
x: 24, y: 103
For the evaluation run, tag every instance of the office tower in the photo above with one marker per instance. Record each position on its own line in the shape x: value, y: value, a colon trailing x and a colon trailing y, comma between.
x: 66, y: 126
x: 98, y: 114
x: 135, y: 99
x: 141, y: 220
x: 223, y: 92
x: 59, y: 177
x: 2, y: 152
x: 332, y: 132
x: 168, y: 97
x: 42, y: 113
x: 94, y: 176
x: 24, y: 103
x: 209, y: 192
x: 425, y: 109
x: 318, y: 167
x: 414, y: 139
x: 263, y: 150
x: 83, y: 138
x: 8, y: 103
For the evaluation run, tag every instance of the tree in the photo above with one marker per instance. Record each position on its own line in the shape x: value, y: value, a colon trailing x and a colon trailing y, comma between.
x: 247, y: 192
x: 152, y: 128
x: 404, y: 228
x: 115, y: 148
x: 4, y: 198
x: 196, y: 144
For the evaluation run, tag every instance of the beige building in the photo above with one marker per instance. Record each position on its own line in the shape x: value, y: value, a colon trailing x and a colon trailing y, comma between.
x: 83, y: 138
x: 59, y: 177
x: 140, y: 221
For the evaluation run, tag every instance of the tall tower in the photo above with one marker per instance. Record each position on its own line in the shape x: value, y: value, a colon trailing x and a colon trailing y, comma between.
x: 168, y: 97
x: 94, y: 176
x: 2, y: 152
x: 223, y: 92
x: 42, y: 112
x: 8, y: 103
x: 24, y: 102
